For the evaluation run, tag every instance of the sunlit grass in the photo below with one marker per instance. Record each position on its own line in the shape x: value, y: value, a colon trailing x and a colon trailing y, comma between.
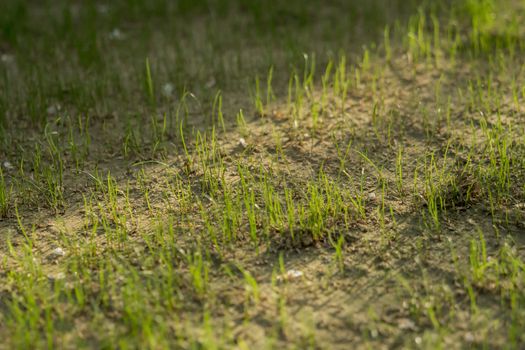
x: 242, y: 205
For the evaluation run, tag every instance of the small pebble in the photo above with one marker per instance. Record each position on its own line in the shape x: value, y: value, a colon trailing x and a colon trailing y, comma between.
x: 53, y: 109
x: 167, y: 89
x: 57, y: 253
x: 116, y: 34
x: 290, y: 275
x: 418, y: 340
x: 243, y: 143
x: 8, y: 165
x: 5, y: 58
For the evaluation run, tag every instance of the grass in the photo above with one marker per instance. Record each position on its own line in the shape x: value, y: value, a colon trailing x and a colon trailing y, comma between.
x: 212, y: 174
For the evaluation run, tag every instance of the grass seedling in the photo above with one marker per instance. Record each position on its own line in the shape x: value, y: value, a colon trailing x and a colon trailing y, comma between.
x: 325, y: 80
x: 478, y: 258
x: 380, y: 176
x: 297, y: 108
x: 314, y: 112
x: 199, y: 272
x: 338, y: 255
x: 149, y: 83
x: 241, y: 123
x: 217, y: 109
x: 259, y: 107
x: 270, y: 96
x: 251, y: 288
x: 189, y: 159
x: 23, y: 230
x: 5, y: 196
x: 308, y: 73
x: 399, y: 171
x: 386, y: 42
x: 342, y: 157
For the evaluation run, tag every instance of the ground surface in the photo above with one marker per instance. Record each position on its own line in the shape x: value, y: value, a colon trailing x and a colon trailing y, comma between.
x: 263, y: 174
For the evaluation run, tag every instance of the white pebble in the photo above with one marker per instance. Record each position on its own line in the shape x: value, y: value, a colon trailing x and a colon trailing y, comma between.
x: 294, y: 273
x: 57, y: 253
x: 116, y: 34
x: 290, y: 275
x: 243, y: 143
x: 6, y: 58
x: 8, y: 165
x: 53, y: 109
x: 167, y: 89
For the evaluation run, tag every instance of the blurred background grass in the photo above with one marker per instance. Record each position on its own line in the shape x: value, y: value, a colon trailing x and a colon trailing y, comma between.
x: 88, y: 56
